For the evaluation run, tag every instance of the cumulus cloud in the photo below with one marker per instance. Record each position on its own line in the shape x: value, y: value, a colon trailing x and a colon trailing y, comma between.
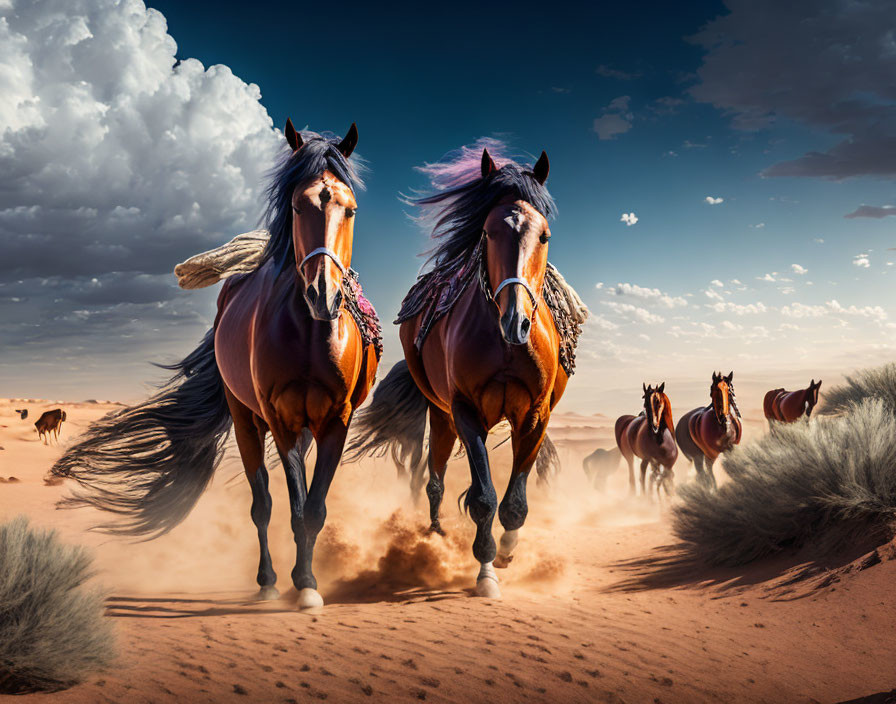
x: 767, y: 277
x: 797, y: 269
x: 717, y: 283
x: 615, y: 120
x: 833, y: 307
x: 116, y: 162
x: 629, y: 219
x: 649, y: 295
x: 635, y: 313
x: 714, y: 201
x: 738, y: 309
x: 862, y: 261
x: 872, y: 211
x: 825, y: 64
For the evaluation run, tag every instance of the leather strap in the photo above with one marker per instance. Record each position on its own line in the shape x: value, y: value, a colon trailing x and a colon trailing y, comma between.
x: 326, y: 251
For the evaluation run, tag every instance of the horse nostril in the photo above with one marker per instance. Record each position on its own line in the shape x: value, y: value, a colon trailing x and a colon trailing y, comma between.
x: 337, y: 300
x: 525, y: 325
x: 311, y: 293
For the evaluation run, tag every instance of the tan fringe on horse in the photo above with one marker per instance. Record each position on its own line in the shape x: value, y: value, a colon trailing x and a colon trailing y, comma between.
x: 239, y: 256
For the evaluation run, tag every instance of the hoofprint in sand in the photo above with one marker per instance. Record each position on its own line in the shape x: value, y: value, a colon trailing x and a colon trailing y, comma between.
x: 399, y: 624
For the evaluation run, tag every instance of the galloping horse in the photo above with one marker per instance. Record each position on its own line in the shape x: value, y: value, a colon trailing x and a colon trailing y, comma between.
x: 706, y: 432
x: 493, y: 353
x: 285, y: 355
x: 49, y: 424
x: 788, y: 406
x: 648, y: 436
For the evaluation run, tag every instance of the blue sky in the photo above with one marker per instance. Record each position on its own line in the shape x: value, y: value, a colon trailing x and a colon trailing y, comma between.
x: 648, y: 109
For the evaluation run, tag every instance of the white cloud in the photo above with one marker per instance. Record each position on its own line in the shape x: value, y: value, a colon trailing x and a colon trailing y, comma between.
x: 818, y: 240
x: 714, y: 201
x: 601, y: 322
x: 717, y: 283
x: 629, y: 219
x: 715, y: 295
x: 650, y: 295
x: 739, y: 309
x: 767, y: 277
x: 636, y: 312
x: 862, y: 261
x: 758, y: 225
x: 599, y: 285
x: 833, y: 307
x: 797, y: 269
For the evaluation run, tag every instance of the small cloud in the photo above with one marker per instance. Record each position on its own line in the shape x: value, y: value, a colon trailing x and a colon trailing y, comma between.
x: 610, y: 72
x: 872, y: 211
x: 818, y: 240
x: 862, y: 261
x: 736, y: 282
x: 716, y: 282
x: 758, y: 226
x: 615, y: 120
x: 714, y: 201
x: 629, y: 219
x: 672, y: 154
x: 688, y: 144
x: 797, y: 269
x: 767, y: 277
x: 599, y: 285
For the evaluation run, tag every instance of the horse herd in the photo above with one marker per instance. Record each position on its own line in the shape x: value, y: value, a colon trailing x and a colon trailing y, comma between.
x: 701, y: 434
x: 48, y: 426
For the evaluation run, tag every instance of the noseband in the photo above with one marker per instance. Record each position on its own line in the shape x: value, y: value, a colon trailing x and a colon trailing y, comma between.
x: 327, y: 252
x: 486, y: 286
x: 521, y: 282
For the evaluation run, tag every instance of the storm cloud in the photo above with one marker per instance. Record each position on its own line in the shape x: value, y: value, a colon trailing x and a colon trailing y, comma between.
x: 116, y: 162
x: 827, y: 64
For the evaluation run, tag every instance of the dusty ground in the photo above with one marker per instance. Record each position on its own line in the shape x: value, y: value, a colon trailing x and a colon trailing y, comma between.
x: 400, y: 624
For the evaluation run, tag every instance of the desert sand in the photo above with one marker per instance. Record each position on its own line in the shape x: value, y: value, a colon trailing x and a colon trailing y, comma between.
x: 575, y: 624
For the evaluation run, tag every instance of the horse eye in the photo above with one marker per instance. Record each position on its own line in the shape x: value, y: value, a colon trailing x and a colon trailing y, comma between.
x: 296, y: 210
x: 544, y: 238
x: 350, y: 212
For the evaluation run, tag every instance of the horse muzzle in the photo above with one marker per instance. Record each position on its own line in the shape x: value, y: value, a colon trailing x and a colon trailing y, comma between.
x: 515, y: 323
x: 323, y: 302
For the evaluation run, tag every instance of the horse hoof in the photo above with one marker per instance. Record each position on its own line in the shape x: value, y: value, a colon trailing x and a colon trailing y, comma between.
x: 488, y: 588
x: 503, y: 561
x: 267, y: 594
x: 309, y: 600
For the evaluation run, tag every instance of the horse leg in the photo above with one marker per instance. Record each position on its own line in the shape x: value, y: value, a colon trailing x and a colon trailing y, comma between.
x: 418, y: 473
x: 441, y: 445
x: 631, y: 476
x: 481, y: 500
x: 653, y: 483
x: 309, y: 519
x: 698, y: 465
x: 712, y: 477
x: 513, y: 509
x: 644, y: 464
x: 250, y: 432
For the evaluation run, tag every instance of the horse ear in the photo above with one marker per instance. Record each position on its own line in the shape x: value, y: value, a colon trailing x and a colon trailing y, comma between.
x: 661, y: 387
x: 488, y: 165
x: 730, y: 377
x: 347, y: 145
x: 541, y: 169
x: 292, y: 137
x: 644, y: 386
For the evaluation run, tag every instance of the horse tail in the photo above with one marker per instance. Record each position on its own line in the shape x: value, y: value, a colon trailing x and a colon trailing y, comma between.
x: 394, y: 420
x: 149, y: 463
x: 547, y: 462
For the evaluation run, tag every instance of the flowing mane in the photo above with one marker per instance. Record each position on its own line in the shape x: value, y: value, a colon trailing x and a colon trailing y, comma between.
x: 462, y: 199
x: 318, y: 154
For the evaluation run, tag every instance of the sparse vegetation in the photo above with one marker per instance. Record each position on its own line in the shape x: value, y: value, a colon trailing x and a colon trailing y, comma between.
x: 829, y: 480
x: 52, y: 630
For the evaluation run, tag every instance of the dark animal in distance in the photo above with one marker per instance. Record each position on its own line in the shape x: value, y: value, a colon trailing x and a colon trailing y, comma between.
x: 23, y: 413
x: 788, y: 406
x: 648, y: 436
x: 50, y: 422
x: 706, y: 432
x: 600, y: 464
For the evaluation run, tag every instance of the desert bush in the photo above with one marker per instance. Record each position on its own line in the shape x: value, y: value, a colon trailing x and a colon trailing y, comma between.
x: 52, y: 630
x: 831, y: 479
x: 879, y: 382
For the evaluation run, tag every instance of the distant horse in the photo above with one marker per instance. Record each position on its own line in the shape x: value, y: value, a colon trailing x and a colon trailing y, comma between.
x: 285, y: 355
x: 706, y: 432
x: 600, y: 464
x: 23, y: 413
x: 788, y: 406
x: 50, y: 422
x: 493, y: 355
x: 648, y: 436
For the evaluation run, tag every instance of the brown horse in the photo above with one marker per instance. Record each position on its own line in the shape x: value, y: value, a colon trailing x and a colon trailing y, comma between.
x: 494, y: 355
x: 285, y: 355
x: 50, y: 424
x: 788, y: 406
x: 648, y: 436
x: 706, y: 432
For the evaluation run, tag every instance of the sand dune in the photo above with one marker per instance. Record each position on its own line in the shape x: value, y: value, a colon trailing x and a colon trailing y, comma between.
x: 400, y: 623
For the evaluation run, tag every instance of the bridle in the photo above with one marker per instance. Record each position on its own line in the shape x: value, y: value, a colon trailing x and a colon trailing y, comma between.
x: 327, y: 252
x: 485, y: 285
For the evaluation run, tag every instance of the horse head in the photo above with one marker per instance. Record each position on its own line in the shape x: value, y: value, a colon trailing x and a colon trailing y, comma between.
x: 657, y: 409
x: 812, y: 396
x: 516, y: 238
x: 720, y: 393
x: 323, y: 209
